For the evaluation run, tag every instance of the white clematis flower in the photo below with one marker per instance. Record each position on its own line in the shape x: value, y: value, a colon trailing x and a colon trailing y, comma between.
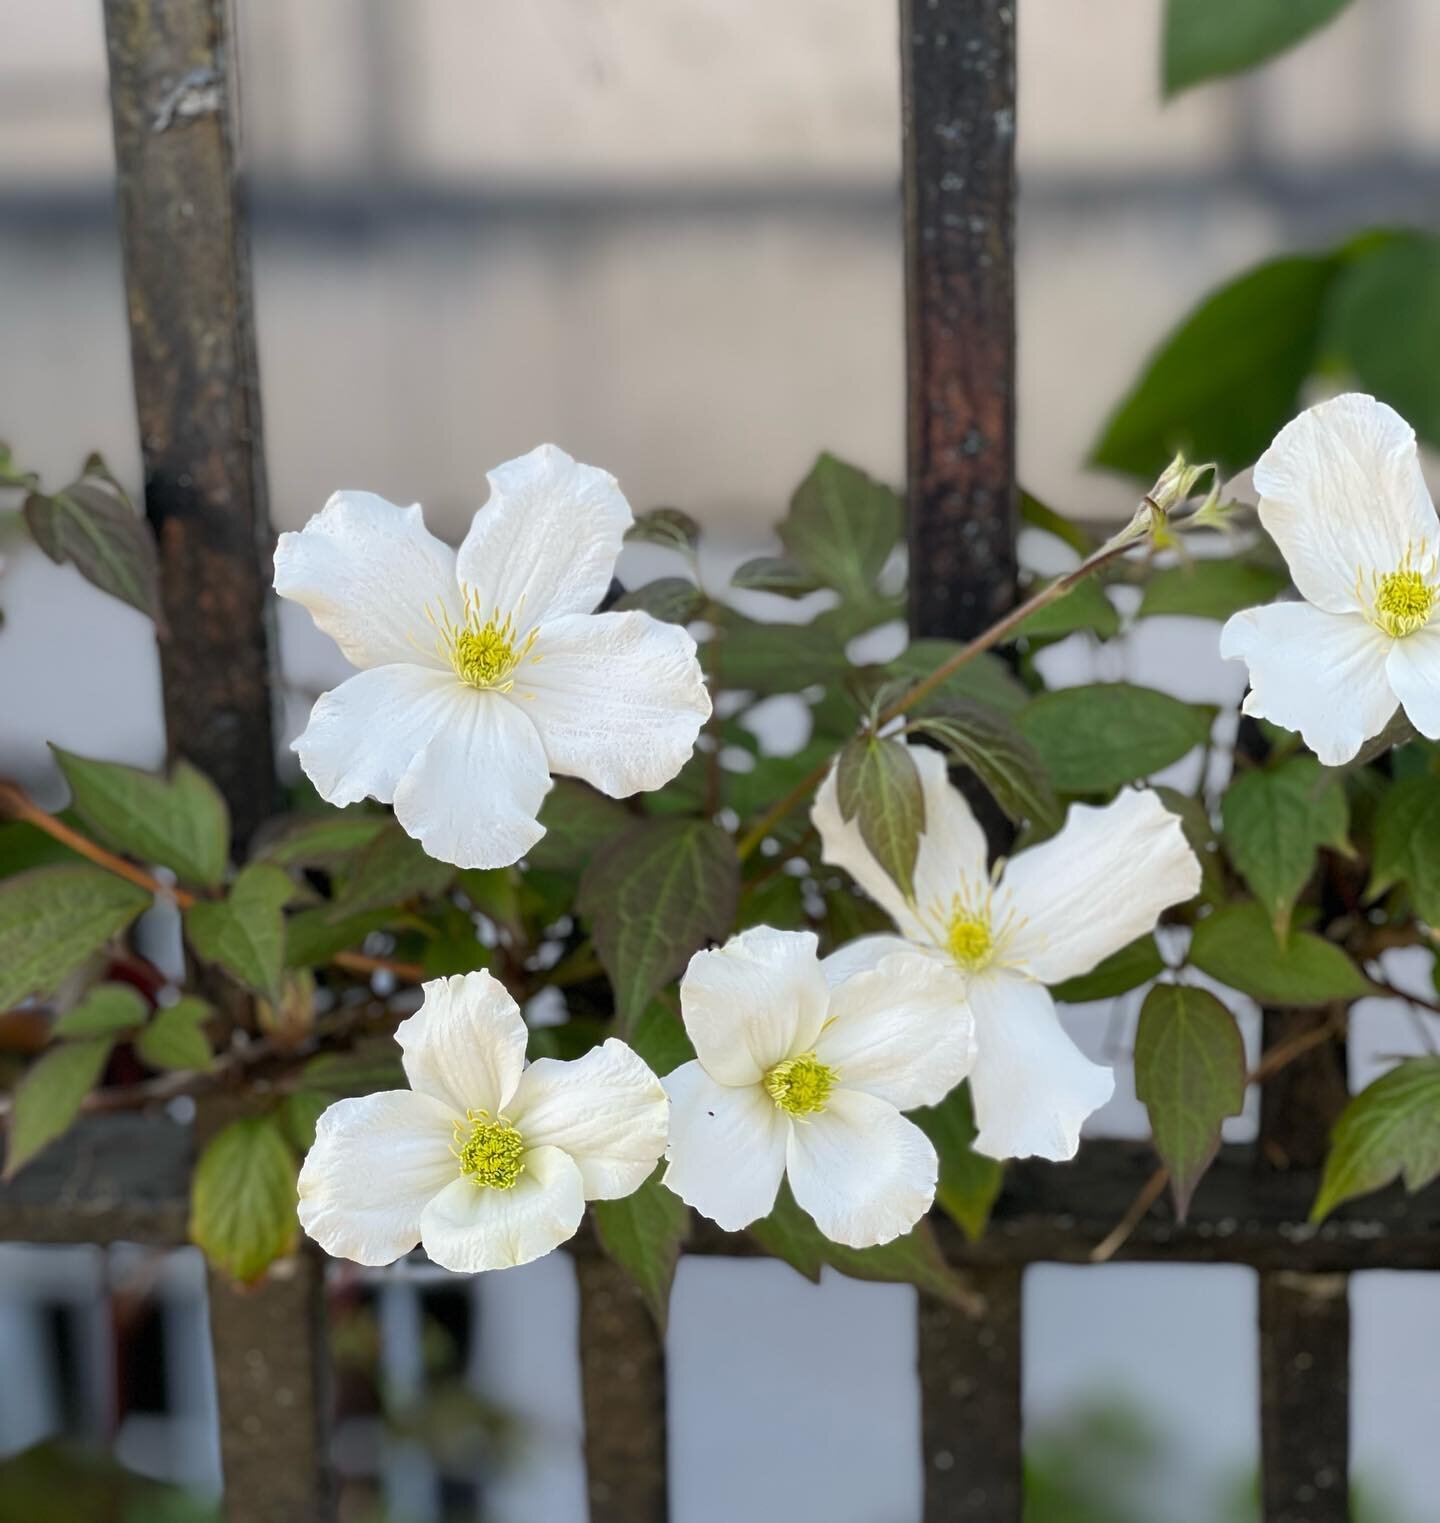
x: 1053, y: 912
x: 805, y: 1075
x: 484, y: 1161
x: 485, y: 671
x: 1342, y: 495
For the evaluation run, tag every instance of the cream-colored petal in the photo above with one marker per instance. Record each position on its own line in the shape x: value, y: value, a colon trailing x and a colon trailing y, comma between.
x: 606, y: 1110
x: 618, y: 699
x: 1322, y: 674
x: 755, y: 1001
x: 377, y: 1161
x: 472, y: 796
x: 1032, y: 1087
x: 1413, y: 671
x: 367, y: 571
x: 1098, y: 884
x: 727, y: 1147
x: 867, y: 952
x: 546, y: 543
x: 863, y: 1171
x: 1342, y: 495
x: 465, y: 1045
x: 469, y: 1227
x: 902, y: 1032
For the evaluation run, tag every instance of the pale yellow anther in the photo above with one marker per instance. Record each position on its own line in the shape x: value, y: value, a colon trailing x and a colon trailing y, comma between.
x: 484, y: 650
x: 490, y: 1151
x: 1400, y: 601
x: 800, y: 1085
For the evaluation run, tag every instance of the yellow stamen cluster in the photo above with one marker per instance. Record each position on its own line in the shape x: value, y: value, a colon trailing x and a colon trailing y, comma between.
x: 970, y: 941
x: 1401, y: 601
x: 491, y: 1152
x: 485, y: 649
x: 800, y: 1085
x: 969, y: 928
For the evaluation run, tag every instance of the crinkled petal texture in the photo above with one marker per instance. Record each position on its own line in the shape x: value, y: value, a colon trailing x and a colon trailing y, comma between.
x: 1322, y: 674
x: 901, y: 1032
x: 952, y: 848
x: 1342, y: 495
x: 465, y: 1045
x: 547, y: 541
x: 1098, y: 884
x: 618, y: 699
x: 1032, y: 1086
x: 468, y: 1227
x: 727, y: 1147
x: 472, y: 796
x: 367, y: 571
x: 376, y: 1164
x: 755, y: 1001
x: 606, y: 1110
x: 1413, y: 671
x: 863, y: 1171
x: 867, y: 952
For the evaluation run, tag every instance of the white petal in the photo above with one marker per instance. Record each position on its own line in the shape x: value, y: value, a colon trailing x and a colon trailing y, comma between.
x: 1097, y: 885
x: 606, y: 1110
x: 465, y: 1045
x: 753, y: 1002
x: 727, y: 1147
x: 547, y: 541
x: 864, y: 953
x: 901, y: 1032
x: 618, y: 699
x: 1413, y: 672
x: 952, y: 848
x: 364, y: 734
x: 470, y: 1227
x: 1032, y: 1086
x: 1322, y: 674
x: 472, y: 795
x: 1341, y: 494
x: 376, y: 1163
x: 863, y: 1171
x: 367, y: 571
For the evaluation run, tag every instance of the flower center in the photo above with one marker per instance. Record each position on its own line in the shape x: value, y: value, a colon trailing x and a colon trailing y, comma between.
x: 484, y: 650
x: 970, y: 941
x: 1400, y: 601
x: 800, y: 1085
x: 492, y: 1153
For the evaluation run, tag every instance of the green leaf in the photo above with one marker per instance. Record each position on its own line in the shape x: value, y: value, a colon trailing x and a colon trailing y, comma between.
x: 245, y: 932
x: 23, y: 846
x: 1117, y: 974
x: 1209, y: 589
x: 1275, y: 820
x: 1237, y: 945
x: 105, y: 1010
x: 999, y: 755
x: 1225, y: 381
x: 1384, y: 327
x: 1093, y: 739
x: 985, y: 679
x: 661, y: 891
x: 660, y: 1039
x: 242, y: 1198
x: 314, y: 936
x: 642, y: 1232
x: 841, y: 527
x: 1407, y: 844
x: 969, y: 1181
x: 672, y: 599
x: 373, y: 1064
x: 776, y: 573
x: 392, y: 869
x: 327, y: 841
x: 1084, y: 607
x: 53, y: 918
x: 49, y: 1097
x: 877, y: 784
x: 180, y: 822
x: 915, y: 1259
x: 175, y: 1037
x: 298, y: 1114
x: 1390, y: 1129
x: 1190, y: 1075
x: 771, y: 658
x: 1039, y: 516
x: 672, y: 528
x: 1208, y: 39
x: 91, y: 525
x: 578, y: 821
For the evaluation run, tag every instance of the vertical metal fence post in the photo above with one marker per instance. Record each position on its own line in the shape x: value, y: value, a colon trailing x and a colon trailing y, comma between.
x: 187, y: 286
x: 958, y: 70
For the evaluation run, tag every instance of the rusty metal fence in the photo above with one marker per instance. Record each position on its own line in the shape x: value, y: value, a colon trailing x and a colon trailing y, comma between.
x: 125, y: 1178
